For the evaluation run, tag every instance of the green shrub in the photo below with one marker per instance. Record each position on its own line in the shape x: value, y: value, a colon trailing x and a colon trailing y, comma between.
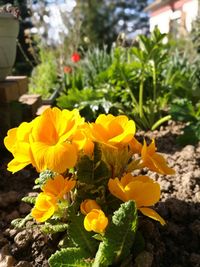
x: 44, y: 78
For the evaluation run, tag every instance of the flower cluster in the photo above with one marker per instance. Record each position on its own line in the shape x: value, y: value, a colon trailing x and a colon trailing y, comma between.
x: 64, y: 144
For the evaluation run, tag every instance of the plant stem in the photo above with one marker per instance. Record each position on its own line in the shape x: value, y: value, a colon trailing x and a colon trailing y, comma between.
x: 152, y: 115
x: 141, y: 88
x: 129, y: 89
x: 154, y: 82
x: 159, y: 122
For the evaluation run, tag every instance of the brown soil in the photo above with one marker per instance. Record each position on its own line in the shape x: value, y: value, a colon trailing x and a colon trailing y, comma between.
x: 174, y: 245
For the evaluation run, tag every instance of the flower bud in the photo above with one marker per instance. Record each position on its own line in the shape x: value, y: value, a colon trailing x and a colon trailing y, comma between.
x: 96, y: 221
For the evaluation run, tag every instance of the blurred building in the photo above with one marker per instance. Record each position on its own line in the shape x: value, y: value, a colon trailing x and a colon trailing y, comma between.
x: 173, y: 16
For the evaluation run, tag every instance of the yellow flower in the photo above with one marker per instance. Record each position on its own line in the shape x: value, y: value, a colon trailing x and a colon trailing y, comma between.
x: 17, y: 142
x: 44, y: 208
x: 154, y: 161
x: 142, y: 189
x: 58, y: 186
x: 96, y: 221
x: 113, y: 131
x: 51, y: 139
x: 87, y: 205
x: 135, y: 146
x: 82, y: 139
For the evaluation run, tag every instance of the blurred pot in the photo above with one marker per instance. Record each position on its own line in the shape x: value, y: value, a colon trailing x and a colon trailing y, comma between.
x: 9, y: 29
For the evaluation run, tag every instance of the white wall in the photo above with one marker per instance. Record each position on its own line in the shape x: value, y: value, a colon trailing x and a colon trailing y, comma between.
x: 191, y: 10
x: 162, y: 20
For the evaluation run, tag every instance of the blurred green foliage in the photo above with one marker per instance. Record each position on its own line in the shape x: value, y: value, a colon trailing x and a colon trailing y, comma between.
x: 44, y: 79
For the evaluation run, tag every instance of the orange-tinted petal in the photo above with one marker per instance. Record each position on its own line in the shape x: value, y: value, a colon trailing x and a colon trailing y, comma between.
x: 15, y: 166
x: 152, y: 214
x: 154, y: 161
x: 44, y: 208
x: 10, y: 139
x: 58, y: 186
x: 57, y: 158
x: 135, y: 146
x: 161, y: 165
x: 143, y: 193
x: 113, y: 131
x: 116, y: 189
x: 96, y: 221
x: 82, y: 139
x: 87, y: 205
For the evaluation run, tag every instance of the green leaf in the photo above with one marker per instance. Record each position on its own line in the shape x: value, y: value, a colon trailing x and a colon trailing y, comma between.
x: 70, y: 257
x: 119, y: 237
x: 191, y: 134
x: 44, y: 176
x: 78, y: 235
x: 97, y: 153
x: 54, y: 228
x: 85, y: 172
x: 91, y: 171
x: 30, y: 200
x: 182, y: 110
x: 101, y: 172
x: 20, y: 222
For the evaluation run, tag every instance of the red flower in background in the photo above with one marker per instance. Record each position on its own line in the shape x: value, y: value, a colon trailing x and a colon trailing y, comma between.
x: 67, y: 69
x: 75, y: 57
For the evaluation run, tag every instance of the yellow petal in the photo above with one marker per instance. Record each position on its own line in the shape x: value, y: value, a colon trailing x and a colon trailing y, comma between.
x: 136, y: 146
x: 144, y: 193
x: 104, y: 119
x: 87, y: 205
x: 96, y: 221
x: 126, y: 134
x: 58, y: 186
x: 116, y: 189
x: 153, y: 215
x: 126, y: 179
x: 82, y: 139
x: 44, y: 208
x: 99, y: 133
x: 10, y: 139
x: 152, y: 147
x: 57, y: 158
x: 154, y: 161
x: 15, y: 166
x: 44, y: 130
x: 41, y: 216
x: 24, y: 130
x: 161, y: 165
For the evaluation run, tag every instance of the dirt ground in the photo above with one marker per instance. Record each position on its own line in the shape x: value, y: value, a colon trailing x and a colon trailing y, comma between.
x: 177, y: 244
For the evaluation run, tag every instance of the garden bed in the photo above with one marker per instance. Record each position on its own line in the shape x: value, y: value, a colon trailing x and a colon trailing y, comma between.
x: 174, y: 245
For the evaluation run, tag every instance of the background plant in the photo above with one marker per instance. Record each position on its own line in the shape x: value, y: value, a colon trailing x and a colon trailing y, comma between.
x: 185, y: 66
x: 44, y: 79
x: 131, y: 79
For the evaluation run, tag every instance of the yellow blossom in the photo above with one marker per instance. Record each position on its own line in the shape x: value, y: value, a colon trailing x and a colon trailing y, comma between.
x: 135, y: 146
x: 154, y: 161
x: 142, y: 189
x: 82, y: 139
x: 113, y: 131
x: 96, y: 221
x: 44, y: 208
x: 51, y: 139
x: 17, y: 142
x: 87, y: 205
x: 58, y: 186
